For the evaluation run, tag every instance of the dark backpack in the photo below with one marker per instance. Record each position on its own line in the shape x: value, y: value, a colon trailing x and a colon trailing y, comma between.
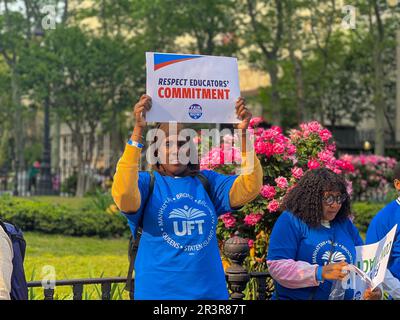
x: 19, y: 287
x: 134, y: 241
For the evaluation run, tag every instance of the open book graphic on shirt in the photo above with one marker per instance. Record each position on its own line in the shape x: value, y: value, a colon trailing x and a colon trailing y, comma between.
x: 186, y: 213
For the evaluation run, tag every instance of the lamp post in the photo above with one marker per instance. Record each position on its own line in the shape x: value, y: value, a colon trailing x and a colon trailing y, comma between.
x: 45, y: 185
x: 16, y: 166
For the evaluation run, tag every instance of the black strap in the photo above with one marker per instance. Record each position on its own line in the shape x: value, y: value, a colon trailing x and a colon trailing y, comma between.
x: 134, y: 243
x: 204, y: 181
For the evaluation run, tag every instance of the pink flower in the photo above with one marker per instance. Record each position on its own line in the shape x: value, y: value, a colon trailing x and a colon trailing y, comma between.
x: 231, y: 154
x: 254, y: 122
x: 252, y: 219
x: 273, y: 206
x: 291, y: 149
x: 228, y: 220
x: 259, y: 147
x: 349, y: 187
x: 250, y: 243
x: 228, y: 139
x: 345, y: 165
x: 269, y: 149
x: 216, y: 157
x: 278, y: 148
x: 268, y: 134
x: 276, y: 129
x: 268, y: 191
x: 313, y: 164
x: 337, y: 171
x: 281, y: 182
x: 325, y: 135
x: 331, y: 147
x: 294, y: 135
x: 297, y: 172
x: 314, y: 126
x: 326, y: 156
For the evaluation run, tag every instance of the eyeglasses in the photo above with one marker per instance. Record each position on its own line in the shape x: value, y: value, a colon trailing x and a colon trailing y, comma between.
x: 330, y: 200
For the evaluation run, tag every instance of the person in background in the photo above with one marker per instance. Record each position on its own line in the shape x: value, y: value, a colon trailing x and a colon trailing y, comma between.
x: 380, y: 225
x: 178, y: 256
x: 33, y: 173
x: 6, y: 266
x: 314, y: 240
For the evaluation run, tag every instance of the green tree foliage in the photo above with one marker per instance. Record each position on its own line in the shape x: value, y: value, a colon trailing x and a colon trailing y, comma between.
x: 87, y: 80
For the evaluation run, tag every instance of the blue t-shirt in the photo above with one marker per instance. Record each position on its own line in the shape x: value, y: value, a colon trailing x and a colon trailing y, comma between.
x: 291, y: 238
x: 178, y: 256
x: 380, y: 225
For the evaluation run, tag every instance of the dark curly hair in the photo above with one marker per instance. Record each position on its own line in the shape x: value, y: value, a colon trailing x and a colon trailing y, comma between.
x: 305, y: 199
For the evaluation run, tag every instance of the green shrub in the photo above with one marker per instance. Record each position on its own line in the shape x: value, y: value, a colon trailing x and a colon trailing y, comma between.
x: 364, y: 212
x: 58, y: 219
x: 70, y: 184
x: 101, y: 200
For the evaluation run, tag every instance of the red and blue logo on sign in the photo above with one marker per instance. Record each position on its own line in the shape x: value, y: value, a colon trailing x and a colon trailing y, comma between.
x: 163, y: 60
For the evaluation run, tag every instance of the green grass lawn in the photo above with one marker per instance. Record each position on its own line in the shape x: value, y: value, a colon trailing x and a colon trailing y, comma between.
x: 75, y: 257
x: 72, y: 202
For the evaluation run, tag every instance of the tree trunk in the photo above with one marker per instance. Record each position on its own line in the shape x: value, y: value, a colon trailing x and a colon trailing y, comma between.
x: 18, y: 122
x: 275, y: 98
x: 55, y: 156
x: 80, y: 186
x: 379, y: 103
x: 298, y: 74
x: 378, y: 82
x: 398, y: 88
x: 117, y: 142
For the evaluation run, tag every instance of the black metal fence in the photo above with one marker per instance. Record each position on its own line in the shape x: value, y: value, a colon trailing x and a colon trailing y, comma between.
x: 237, y: 277
x: 264, y: 287
x: 77, y: 286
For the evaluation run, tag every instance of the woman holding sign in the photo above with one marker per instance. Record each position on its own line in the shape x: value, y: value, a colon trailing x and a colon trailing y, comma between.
x: 178, y: 255
x: 313, y: 240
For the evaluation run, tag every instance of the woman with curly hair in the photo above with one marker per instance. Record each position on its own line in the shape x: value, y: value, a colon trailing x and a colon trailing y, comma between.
x: 313, y: 240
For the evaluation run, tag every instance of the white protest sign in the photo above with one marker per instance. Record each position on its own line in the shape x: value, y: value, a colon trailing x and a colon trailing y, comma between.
x: 371, y: 263
x: 192, y: 88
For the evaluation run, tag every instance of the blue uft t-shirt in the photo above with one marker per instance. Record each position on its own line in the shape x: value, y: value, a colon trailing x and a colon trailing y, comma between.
x: 291, y: 238
x: 178, y: 256
x: 380, y: 225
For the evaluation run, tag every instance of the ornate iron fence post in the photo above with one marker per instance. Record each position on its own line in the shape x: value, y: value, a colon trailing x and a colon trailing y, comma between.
x: 48, y: 294
x: 237, y: 249
x: 77, y: 290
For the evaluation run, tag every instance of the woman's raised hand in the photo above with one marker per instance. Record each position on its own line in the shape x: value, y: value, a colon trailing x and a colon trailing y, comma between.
x: 242, y: 114
x: 140, y: 109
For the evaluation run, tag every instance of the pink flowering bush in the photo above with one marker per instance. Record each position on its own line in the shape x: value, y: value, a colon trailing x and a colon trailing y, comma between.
x: 371, y: 177
x: 284, y: 160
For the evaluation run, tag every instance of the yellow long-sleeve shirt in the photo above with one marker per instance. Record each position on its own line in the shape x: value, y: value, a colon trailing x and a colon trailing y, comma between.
x: 125, y: 190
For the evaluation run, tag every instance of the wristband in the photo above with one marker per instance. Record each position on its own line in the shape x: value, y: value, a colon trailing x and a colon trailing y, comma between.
x: 319, y: 274
x: 135, y: 144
